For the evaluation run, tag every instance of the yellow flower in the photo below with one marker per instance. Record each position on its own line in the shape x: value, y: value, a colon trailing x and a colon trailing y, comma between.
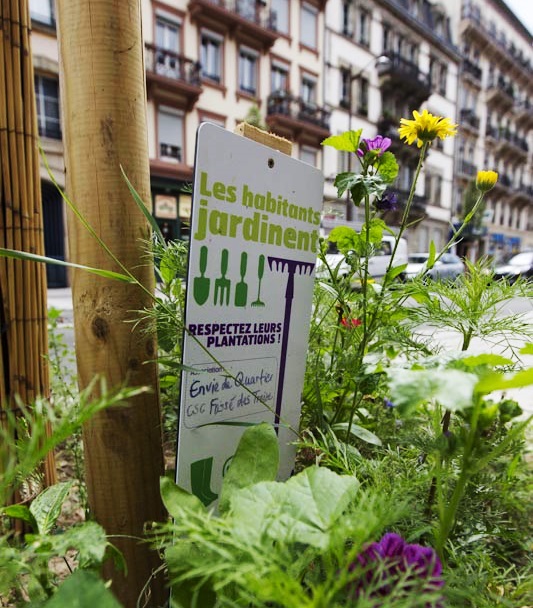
x: 485, y: 180
x: 425, y: 128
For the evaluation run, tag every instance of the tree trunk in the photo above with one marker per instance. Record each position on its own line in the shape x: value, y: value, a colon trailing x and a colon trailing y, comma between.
x: 23, y: 298
x: 104, y: 112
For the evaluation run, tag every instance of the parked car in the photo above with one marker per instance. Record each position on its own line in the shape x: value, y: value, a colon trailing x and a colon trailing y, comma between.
x: 447, y: 268
x: 520, y: 265
x: 377, y: 263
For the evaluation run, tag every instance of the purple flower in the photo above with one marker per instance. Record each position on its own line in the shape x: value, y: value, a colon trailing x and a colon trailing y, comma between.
x: 387, y: 562
x: 388, y: 404
x: 377, y: 145
x: 388, y: 202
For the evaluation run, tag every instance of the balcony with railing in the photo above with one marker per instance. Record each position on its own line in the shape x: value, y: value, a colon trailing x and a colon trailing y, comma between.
x: 249, y: 18
x: 500, y: 93
x: 292, y: 117
x: 469, y: 121
x: 171, y: 74
x: 402, y: 78
x: 471, y: 71
x: 511, y: 144
x: 520, y: 193
x: 475, y: 27
x: 523, y: 111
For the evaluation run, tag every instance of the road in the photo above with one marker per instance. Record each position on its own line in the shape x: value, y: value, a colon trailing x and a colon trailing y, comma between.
x: 62, y: 300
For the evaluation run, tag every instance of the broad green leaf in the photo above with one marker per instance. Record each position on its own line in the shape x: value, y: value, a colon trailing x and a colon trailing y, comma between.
x: 21, y: 512
x: 256, y: 459
x: 145, y: 210
x: 453, y: 389
x: 358, y: 431
x: 527, y: 349
x: 175, y: 498
x: 499, y: 382
x: 486, y: 359
x: 432, y: 255
x: 304, y: 510
x: 83, y: 589
x: 46, y: 507
x: 347, y: 142
x: 31, y: 257
x: 347, y: 239
x: 395, y: 271
x: 88, y: 539
x: 345, y: 181
x: 388, y: 167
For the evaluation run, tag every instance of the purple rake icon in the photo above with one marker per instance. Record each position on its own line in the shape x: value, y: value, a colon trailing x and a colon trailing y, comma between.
x: 290, y: 266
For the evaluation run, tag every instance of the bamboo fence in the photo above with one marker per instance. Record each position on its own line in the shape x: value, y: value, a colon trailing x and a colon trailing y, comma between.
x: 23, y: 297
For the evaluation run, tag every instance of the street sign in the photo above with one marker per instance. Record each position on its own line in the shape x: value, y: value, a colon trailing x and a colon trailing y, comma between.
x: 254, y: 240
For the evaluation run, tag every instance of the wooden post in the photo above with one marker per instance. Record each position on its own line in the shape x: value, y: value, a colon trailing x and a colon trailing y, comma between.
x: 104, y: 118
x: 23, y: 298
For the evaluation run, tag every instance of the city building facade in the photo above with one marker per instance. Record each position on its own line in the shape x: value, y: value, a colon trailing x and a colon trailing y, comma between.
x: 310, y: 68
x: 496, y: 115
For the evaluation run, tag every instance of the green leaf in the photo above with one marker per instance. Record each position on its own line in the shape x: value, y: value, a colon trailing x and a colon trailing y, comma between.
x: 21, y: 512
x: 256, y: 460
x: 527, y: 349
x: 358, y: 431
x: 345, y: 181
x: 499, y: 382
x: 347, y: 142
x: 486, y: 359
x: 388, y: 167
x: 145, y: 210
x: 410, y: 388
x: 88, y: 539
x: 395, y: 271
x: 306, y: 509
x: 31, y: 257
x: 46, y: 507
x: 347, y: 239
x: 175, y: 498
x: 83, y: 589
x: 432, y: 255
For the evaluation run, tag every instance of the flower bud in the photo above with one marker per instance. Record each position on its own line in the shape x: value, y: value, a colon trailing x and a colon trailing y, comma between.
x: 485, y: 180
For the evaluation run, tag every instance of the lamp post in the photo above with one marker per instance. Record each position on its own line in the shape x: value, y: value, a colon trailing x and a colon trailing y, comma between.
x: 382, y: 60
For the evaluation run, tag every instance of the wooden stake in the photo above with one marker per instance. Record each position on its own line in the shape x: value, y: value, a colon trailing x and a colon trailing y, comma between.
x: 104, y: 120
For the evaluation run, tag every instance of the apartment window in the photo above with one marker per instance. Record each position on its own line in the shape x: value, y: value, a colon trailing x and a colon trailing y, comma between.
x: 170, y: 134
x: 387, y: 38
x: 308, y: 90
x: 308, y: 25
x: 211, y: 51
x: 362, y: 99
x: 47, y: 99
x: 167, y: 38
x: 280, y: 12
x: 347, y: 29
x: 248, y: 61
x: 346, y: 82
x: 438, y: 74
x: 167, y: 34
x: 43, y: 11
x: 279, y: 77
x: 343, y: 161
x: 363, y: 28
x: 308, y: 155
x: 247, y: 8
x: 433, y: 188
